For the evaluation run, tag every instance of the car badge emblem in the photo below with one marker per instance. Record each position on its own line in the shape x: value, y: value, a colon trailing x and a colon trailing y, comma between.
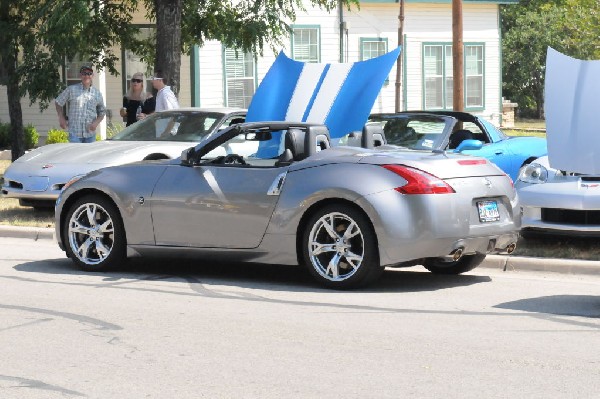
x: 47, y: 166
x: 487, y: 182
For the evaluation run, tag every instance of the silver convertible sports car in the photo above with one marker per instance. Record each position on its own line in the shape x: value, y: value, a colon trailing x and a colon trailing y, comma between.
x: 37, y: 177
x: 344, y: 212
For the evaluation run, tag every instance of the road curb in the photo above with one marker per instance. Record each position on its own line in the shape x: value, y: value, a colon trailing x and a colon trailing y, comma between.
x: 565, y: 266
x: 35, y: 233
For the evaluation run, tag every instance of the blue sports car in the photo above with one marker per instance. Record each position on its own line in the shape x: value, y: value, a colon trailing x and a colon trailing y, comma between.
x: 460, y: 132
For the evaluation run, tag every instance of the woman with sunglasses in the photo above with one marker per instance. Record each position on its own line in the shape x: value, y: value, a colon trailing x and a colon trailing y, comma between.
x: 137, y: 96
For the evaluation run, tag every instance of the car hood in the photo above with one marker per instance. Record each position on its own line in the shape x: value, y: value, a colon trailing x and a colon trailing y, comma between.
x: 571, y: 109
x: 104, y: 152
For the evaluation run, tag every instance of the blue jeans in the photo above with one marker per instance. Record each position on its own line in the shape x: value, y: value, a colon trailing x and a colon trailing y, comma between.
x: 78, y: 139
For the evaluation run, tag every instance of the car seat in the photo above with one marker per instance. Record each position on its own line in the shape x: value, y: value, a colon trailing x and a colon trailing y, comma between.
x: 300, y: 144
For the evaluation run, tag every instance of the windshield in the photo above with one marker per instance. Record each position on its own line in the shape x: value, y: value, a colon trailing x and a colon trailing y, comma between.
x: 172, y: 126
x: 417, y: 132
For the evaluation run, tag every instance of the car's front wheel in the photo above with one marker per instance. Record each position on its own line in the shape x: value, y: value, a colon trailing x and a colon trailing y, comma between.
x: 464, y: 264
x: 94, y: 233
x: 340, y: 248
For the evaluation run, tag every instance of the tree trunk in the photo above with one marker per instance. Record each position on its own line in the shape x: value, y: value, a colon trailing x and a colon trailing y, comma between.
x: 168, y: 40
x: 8, y: 77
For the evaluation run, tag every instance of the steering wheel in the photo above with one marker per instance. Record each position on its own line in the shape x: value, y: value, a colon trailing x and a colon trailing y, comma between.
x: 232, y: 159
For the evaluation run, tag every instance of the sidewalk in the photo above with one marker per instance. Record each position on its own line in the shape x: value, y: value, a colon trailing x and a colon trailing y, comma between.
x: 504, y: 262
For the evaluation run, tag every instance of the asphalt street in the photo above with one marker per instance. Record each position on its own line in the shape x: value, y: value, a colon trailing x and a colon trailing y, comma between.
x: 167, y: 328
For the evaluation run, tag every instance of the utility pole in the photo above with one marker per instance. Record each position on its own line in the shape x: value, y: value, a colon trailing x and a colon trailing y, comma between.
x: 399, y: 60
x: 458, y: 102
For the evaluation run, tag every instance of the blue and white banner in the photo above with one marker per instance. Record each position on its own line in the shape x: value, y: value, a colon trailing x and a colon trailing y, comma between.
x: 339, y: 96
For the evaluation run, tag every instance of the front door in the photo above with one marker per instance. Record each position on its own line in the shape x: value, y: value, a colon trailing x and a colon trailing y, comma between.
x: 224, y: 206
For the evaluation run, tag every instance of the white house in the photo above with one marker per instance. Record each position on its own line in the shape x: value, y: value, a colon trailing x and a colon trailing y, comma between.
x: 213, y: 75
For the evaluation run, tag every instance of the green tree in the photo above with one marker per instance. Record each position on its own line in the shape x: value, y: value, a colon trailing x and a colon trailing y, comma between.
x: 38, y: 36
x: 528, y: 29
x: 246, y: 25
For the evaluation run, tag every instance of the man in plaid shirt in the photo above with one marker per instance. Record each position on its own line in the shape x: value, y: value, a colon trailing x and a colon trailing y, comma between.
x: 86, y: 108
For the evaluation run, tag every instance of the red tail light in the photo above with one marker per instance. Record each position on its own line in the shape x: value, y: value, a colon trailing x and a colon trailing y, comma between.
x: 419, y: 182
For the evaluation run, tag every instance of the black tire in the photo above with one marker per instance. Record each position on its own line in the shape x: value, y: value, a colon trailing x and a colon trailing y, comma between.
x: 98, y: 244
x: 355, y: 257
x: 464, y: 264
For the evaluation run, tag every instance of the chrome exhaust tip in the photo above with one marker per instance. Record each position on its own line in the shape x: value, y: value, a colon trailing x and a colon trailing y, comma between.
x: 511, y: 248
x: 457, y: 253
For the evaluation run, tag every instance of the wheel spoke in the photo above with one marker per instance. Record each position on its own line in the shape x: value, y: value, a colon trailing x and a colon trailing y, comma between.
x: 84, y: 248
x: 328, y: 225
x: 91, y: 214
x: 76, y: 227
x: 106, y: 227
x: 333, y: 266
x: 351, y: 231
x: 353, y: 259
x: 102, y: 250
x: 318, y: 248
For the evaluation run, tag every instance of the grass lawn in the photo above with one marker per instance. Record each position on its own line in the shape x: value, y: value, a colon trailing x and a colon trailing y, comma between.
x: 527, y: 127
x: 11, y: 213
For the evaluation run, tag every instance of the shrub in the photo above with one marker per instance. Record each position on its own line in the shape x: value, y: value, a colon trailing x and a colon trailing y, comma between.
x: 57, y: 136
x: 114, y: 128
x: 31, y: 136
x: 4, y: 135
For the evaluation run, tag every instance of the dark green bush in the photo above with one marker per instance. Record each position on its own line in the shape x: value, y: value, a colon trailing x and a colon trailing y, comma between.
x: 57, y: 136
x: 31, y: 136
x: 4, y: 135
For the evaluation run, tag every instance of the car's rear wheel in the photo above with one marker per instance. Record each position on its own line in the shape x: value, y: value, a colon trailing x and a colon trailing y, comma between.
x: 340, y: 247
x: 464, y: 264
x: 94, y: 234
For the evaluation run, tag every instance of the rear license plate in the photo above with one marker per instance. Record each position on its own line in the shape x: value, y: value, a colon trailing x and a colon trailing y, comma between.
x: 488, y: 211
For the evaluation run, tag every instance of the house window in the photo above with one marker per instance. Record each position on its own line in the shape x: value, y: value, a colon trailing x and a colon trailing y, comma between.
x: 474, y: 76
x: 72, y: 68
x: 371, y: 48
x: 239, y: 78
x: 306, y: 44
x: 133, y: 62
x: 438, y: 82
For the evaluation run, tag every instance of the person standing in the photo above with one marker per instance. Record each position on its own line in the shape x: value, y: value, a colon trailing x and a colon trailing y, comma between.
x: 165, y: 98
x: 137, y: 97
x: 85, y: 107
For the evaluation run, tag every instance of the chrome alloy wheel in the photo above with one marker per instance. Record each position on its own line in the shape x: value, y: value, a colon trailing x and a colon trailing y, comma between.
x: 91, y: 233
x: 336, y: 246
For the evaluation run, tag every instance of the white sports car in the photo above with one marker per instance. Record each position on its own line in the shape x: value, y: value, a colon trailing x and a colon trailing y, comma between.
x: 558, y: 202
x: 560, y: 193
x: 37, y: 177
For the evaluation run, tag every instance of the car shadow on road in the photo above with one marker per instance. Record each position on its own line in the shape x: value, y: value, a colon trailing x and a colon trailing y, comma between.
x: 559, y: 305
x: 252, y: 275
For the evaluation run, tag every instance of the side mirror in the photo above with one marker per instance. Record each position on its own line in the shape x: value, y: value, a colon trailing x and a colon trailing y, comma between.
x: 187, y: 156
x: 469, y: 145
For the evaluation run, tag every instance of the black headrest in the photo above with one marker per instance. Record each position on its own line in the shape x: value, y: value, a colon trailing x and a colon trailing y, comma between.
x: 294, y: 141
x: 303, y: 144
x: 372, y: 136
